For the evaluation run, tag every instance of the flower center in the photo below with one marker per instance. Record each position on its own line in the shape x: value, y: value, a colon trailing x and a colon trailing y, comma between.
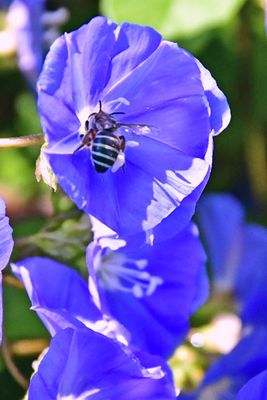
x: 117, y: 272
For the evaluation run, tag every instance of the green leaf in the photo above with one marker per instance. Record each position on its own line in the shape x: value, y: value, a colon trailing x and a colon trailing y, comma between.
x: 173, y: 18
x: 19, y: 321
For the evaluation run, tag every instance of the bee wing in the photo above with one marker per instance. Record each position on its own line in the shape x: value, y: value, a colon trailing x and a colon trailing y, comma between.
x: 138, y: 129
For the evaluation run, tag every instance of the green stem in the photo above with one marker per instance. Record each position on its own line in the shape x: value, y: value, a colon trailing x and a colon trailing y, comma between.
x: 22, y: 141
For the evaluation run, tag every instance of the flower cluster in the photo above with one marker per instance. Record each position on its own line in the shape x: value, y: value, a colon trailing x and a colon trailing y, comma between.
x: 237, y: 254
x: 129, y: 121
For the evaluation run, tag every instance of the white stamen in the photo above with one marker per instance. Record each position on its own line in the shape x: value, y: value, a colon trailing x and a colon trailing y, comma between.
x: 120, y: 100
x: 141, y: 263
x: 117, y: 272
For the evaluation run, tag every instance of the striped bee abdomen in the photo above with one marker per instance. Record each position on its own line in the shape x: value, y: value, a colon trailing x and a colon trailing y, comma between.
x: 105, y: 150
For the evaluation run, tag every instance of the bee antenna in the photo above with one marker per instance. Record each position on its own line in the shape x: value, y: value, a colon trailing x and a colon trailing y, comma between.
x: 100, y: 105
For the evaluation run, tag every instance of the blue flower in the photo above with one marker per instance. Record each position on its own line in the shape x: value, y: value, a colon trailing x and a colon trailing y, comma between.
x: 6, y: 247
x: 237, y: 252
x: 171, y: 102
x: 257, y: 386
x: 31, y: 31
x: 83, y: 364
x: 61, y: 297
x: 24, y: 21
x: 229, y: 373
x: 151, y: 290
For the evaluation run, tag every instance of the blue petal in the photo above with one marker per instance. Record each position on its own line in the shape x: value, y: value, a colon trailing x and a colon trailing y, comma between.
x: 246, y: 360
x: 228, y: 374
x: 58, y: 115
x: 57, y: 293
x: 25, y: 17
x: 84, y: 364
x: 250, y: 287
x: 219, y: 108
x: 165, y: 91
x: 134, y: 44
x: 220, y: 219
x: 180, y: 264
x: 6, y: 247
x: 257, y: 386
x: 137, y: 198
x: 6, y: 241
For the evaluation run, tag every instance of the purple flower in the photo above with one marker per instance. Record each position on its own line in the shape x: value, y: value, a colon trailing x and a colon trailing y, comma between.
x: 151, y: 290
x: 83, y: 364
x: 173, y: 105
x: 237, y: 252
x: 6, y: 247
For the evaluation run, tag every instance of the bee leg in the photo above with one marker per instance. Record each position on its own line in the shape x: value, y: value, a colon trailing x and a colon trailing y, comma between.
x: 86, y: 140
x: 120, y: 161
x: 122, y: 147
x: 122, y: 143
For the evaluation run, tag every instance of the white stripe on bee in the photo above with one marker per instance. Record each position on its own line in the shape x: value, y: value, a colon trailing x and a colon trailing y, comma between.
x: 107, y: 137
x: 102, y: 164
x: 96, y: 153
x: 106, y: 146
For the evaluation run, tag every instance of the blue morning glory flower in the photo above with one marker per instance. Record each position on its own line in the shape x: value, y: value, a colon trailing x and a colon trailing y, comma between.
x: 62, y: 300
x: 6, y: 247
x: 82, y: 364
x: 61, y: 297
x: 158, y: 108
x: 24, y: 22
x: 257, y: 386
x: 237, y: 252
x: 151, y: 290
x: 229, y: 373
x: 29, y: 32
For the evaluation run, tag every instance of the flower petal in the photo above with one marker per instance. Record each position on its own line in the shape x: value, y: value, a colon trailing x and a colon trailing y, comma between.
x: 179, y: 265
x: 57, y: 293
x: 83, y: 364
x: 6, y: 247
x: 257, y: 386
x: 220, y: 219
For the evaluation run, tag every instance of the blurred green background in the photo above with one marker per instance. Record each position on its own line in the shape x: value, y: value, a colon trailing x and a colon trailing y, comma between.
x: 229, y: 38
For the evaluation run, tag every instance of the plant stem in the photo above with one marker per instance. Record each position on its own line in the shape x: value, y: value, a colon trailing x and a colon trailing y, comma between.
x: 11, y: 366
x: 22, y: 141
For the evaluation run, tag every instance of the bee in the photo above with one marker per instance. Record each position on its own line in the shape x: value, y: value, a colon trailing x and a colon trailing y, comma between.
x: 107, y: 149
